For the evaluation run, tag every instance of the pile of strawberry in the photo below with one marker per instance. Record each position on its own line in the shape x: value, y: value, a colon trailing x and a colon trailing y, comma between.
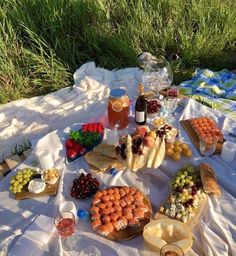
x: 79, y: 142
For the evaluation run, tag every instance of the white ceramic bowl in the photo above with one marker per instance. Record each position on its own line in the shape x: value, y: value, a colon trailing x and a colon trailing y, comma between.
x: 50, y: 180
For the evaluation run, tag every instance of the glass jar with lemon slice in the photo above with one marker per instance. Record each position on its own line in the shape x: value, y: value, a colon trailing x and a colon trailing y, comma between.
x: 118, y: 108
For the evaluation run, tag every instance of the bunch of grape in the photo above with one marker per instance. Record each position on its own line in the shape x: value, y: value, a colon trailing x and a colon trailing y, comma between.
x: 84, y: 186
x: 22, y: 177
x: 185, y: 178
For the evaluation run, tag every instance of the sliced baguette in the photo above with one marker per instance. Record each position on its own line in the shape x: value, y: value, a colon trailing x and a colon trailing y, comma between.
x: 208, y: 178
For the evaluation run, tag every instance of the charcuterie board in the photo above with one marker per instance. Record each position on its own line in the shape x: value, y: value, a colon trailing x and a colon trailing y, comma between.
x: 193, y: 221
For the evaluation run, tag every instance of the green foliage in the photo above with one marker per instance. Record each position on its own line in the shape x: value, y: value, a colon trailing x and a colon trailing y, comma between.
x: 42, y: 42
x: 19, y: 149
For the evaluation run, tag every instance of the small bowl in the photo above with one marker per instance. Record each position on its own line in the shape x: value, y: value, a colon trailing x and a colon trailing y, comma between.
x: 47, y: 176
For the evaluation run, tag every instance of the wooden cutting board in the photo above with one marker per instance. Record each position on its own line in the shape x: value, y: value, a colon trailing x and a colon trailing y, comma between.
x: 131, y: 232
x: 50, y: 190
x: 193, y: 221
x: 193, y: 136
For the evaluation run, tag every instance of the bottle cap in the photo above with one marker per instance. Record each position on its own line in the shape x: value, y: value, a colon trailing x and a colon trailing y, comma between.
x: 117, y: 93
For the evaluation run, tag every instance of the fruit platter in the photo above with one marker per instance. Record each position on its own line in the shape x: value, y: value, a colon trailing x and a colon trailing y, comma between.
x: 82, y: 140
x: 28, y: 183
x: 120, y: 213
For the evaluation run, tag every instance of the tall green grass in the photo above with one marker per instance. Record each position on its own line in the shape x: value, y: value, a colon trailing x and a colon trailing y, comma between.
x: 42, y: 42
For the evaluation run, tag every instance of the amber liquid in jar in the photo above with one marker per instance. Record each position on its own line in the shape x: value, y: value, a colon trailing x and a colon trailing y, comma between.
x: 118, y: 109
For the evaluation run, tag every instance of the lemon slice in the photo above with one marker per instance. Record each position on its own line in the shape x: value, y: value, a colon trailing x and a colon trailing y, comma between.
x: 117, y: 106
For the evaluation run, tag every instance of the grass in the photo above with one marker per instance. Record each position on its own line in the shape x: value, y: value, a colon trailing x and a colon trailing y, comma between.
x: 42, y: 42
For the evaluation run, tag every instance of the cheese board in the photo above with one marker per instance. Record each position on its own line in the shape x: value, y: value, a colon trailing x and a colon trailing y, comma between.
x: 191, y: 223
x: 50, y: 190
x: 194, y: 137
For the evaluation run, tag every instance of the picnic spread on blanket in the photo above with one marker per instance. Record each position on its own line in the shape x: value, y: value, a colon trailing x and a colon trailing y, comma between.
x: 118, y: 169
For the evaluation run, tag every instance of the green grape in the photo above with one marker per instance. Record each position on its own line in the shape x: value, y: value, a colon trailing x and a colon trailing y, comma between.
x: 11, y: 188
x: 20, y: 186
x: 14, y: 190
x: 177, y: 181
x: 12, y: 181
x: 20, y: 180
x: 18, y: 177
x: 24, y: 171
x: 24, y: 182
x: 25, y: 176
x: 35, y: 172
x: 185, y: 173
x: 182, y: 176
x: 15, y: 184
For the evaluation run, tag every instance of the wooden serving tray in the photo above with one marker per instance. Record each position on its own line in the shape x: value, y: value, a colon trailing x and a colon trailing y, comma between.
x: 131, y: 232
x: 193, y: 136
x: 50, y: 190
x: 191, y: 222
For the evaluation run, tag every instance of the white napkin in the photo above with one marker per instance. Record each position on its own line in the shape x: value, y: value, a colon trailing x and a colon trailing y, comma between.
x: 35, y: 239
x: 50, y: 142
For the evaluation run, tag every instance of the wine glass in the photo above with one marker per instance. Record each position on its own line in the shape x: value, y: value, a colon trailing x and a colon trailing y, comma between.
x: 157, y: 75
x: 65, y: 225
x: 208, y: 146
x: 171, y: 250
x: 170, y: 105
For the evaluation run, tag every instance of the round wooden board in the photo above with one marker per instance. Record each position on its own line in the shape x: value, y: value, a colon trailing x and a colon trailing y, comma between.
x: 132, y: 231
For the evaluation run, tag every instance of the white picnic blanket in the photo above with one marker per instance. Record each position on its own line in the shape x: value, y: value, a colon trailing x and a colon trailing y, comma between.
x: 214, y: 235
x: 31, y: 118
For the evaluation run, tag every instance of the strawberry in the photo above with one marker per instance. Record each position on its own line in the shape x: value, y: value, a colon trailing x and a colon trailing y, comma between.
x: 100, y: 128
x: 90, y: 128
x: 85, y: 127
x: 71, y: 153
x: 69, y: 143
x: 82, y: 151
x: 77, y: 148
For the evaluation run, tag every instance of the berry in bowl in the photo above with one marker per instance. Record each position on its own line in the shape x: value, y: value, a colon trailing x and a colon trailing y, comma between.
x: 153, y: 106
x: 50, y: 176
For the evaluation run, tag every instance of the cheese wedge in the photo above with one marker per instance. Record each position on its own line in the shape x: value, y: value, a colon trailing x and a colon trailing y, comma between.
x: 129, y: 154
x: 160, y: 155
x: 153, y: 153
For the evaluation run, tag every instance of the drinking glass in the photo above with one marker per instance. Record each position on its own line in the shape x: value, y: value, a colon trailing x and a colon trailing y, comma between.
x: 208, y: 146
x: 170, y: 105
x: 65, y: 225
x: 171, y: 250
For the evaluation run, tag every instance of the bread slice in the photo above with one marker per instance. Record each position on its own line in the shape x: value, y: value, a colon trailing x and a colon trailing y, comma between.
x: 208, y: 178
x: 106, y: 150
x: 99, y: 161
